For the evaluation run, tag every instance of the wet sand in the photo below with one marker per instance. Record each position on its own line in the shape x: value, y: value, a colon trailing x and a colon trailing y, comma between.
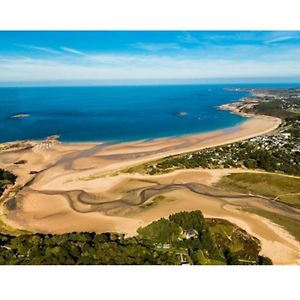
x: 73, y: 188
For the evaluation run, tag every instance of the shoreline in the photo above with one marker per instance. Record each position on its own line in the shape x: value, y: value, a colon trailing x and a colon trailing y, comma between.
x: 73, y: 181
x: 233, y: 108
x: 85, y: 155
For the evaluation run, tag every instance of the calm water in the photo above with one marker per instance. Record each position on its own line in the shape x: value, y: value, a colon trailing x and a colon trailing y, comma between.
x: 113, y: 113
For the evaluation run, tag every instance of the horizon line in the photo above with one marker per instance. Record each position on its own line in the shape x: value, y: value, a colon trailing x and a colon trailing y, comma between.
x: 147, y: 82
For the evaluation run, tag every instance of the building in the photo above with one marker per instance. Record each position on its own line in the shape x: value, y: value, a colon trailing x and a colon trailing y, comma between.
x: 286, y: 135
x: 191, y: 233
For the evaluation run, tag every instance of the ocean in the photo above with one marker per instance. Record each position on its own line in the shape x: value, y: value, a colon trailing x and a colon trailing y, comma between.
x: 114, y: 113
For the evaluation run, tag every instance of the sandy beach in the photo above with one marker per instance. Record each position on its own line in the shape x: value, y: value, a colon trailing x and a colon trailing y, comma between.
x: 69, y: 187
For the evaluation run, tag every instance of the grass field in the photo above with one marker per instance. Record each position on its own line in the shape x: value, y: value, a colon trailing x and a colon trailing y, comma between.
x: 285, y: 189
x: 228, y: 235
x: 295, y: 110
x: 154, y: 201
x: 290, y: 225
x: 6, y: 229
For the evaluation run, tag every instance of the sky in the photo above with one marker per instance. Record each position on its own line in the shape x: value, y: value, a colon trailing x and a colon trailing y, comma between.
x: 116, y: 57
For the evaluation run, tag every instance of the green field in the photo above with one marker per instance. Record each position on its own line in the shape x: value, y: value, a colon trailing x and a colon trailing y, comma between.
x: 285, y: 189
x: 295, y: 110
x: 290, y: 225
x: 228, y: 236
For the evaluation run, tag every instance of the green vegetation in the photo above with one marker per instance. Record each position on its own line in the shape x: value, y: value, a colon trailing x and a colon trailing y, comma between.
x: 289, y: 224
x: 80, y: 249
x: 6, y: 229
x: 295, y: 111
x: 236, y: 244
x: 6, y: 178
x: 161, y: 231
x: 154, y: 201
x: 281, y: 188
x: 211, y: 241
x: 162, y: 242
x: 291, y: 200
x: 246, y: 154
x: 285, y: 105
x: 279, y: 107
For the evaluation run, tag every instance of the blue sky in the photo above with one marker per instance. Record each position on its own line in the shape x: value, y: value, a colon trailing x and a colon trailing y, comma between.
x: 149, y: 56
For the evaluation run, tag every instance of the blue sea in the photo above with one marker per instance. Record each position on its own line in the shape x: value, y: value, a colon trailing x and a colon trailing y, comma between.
x: 114, y: 113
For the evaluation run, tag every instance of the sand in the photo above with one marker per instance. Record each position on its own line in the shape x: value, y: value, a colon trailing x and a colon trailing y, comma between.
x: 75, y: 188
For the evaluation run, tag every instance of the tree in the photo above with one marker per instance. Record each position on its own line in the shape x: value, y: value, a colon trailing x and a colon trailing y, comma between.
x: 263, y: 260
x: 161, y: 231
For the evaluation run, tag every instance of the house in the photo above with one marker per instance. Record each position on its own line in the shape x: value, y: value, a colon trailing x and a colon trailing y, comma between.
x: 166, y: 246
x: 191, y: 233
x: 45, y: 145
x: 163, y: 246
x: 286, y: 135
x: 183, y: 259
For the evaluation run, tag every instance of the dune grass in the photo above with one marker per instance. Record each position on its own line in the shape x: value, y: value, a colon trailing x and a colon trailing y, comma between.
x: 290, y: 225
x: 6, y: 229
x: 285, y: 189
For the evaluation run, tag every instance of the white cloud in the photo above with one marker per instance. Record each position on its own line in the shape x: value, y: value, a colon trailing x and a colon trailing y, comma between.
x: 71, y: 50
x: 51, y: 50
x: 118, y: 67
x: 280, y: 39
x: 283, y: 37
x: 39, y: 48
x: 226, y: 62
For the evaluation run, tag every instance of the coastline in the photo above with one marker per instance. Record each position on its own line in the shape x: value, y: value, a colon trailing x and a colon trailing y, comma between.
x: 93, y: 160
x: 72, y: 181
x: 269, y: 124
